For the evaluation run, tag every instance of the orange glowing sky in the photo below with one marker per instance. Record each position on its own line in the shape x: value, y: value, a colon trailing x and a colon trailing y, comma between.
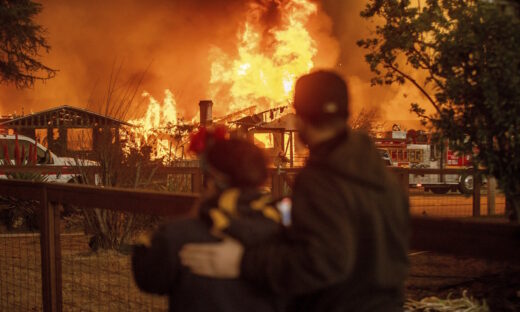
x: 173, y: 39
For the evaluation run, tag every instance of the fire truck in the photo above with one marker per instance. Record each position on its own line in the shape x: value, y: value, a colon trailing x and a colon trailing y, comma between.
x: 414, y: 149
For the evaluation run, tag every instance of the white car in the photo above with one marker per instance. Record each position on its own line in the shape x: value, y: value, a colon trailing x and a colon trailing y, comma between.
x: 43, y: 157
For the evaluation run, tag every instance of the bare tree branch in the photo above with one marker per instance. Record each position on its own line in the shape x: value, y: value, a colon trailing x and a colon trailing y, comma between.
x: 415, y: 83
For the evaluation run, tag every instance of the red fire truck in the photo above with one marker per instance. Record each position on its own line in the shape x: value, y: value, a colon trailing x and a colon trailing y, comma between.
x: 414, y: 149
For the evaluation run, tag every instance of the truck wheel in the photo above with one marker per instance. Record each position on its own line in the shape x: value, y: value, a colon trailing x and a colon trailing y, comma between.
x: 466, y: 184
x: 440, y: 190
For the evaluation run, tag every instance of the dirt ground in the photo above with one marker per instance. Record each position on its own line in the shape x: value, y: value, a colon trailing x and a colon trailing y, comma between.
x: 91, y: 281
x: 497, y: 283
x: 103, y: 281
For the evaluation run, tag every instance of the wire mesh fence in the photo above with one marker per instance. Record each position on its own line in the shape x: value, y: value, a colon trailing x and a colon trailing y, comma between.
x: 454, y: 195
x: 97, y: 275
x: 93, y: 278
x: 97, y: 227
x: 20, y: 257
x: 86, y: 265
x: 452, y: 204
x: 437, y: 200
x: 20, y: 275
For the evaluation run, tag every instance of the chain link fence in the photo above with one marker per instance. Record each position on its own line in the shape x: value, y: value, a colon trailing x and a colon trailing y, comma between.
x: 20, y: 257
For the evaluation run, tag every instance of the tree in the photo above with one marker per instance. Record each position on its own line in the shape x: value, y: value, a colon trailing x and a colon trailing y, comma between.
x: 119, y: 167
x: 21, y: 41
x: 469, y: 55
x: 367, y: 120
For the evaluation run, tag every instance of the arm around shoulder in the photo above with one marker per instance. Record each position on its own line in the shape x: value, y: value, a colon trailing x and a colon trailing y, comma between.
x: 318, y: 250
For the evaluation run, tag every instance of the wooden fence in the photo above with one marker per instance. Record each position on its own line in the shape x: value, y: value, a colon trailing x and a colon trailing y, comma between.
x: 282, y: 176
x: 490, y: 238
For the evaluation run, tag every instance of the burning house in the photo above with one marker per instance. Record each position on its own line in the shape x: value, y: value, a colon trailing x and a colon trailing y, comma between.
x: 251, y: 85
x: 274, y: 131
x: 66, y: 130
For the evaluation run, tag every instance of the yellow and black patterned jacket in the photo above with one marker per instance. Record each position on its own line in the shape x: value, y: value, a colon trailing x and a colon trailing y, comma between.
x: 246, y: 215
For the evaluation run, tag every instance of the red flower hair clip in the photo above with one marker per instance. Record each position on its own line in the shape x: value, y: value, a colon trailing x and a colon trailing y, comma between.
x: 205, y: 137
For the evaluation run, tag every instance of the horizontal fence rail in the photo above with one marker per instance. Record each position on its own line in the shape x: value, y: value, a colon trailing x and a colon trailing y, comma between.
x: 127, y: 200
x: 484, y: 237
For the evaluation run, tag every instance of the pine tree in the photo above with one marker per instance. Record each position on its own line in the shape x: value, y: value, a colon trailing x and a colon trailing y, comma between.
x: 21, y: 42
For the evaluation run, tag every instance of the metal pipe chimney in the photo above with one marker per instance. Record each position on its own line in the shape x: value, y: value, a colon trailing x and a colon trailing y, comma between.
x: 206, y: 117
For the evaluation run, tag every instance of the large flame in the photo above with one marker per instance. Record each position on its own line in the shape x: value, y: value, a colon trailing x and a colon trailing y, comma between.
x: 158, y: 116
x: 156, y: 128
x: 270, y: 57
x: 268, y: 61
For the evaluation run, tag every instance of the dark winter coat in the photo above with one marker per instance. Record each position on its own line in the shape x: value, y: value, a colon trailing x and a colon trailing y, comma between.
x: 243, y: 214
x: 347, y: 247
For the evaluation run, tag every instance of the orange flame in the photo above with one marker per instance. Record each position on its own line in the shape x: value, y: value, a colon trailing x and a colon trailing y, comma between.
x: 262, y: 75
x: 158, y: 116
x: 268, y: 62
x: 156, y: 127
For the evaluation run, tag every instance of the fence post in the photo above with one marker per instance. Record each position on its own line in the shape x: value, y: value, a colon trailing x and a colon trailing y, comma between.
x: 491, y: 192
x: 196, y: 181
x: 405, y: 180
x: 277, y: 184
x: 50, y: 254
x: 477, y: 182
x: 403, y: 174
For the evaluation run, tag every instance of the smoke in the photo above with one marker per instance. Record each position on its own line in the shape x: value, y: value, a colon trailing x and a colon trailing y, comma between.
x: 348, y: 27
x: 90, y: 39
x: 171, y: 40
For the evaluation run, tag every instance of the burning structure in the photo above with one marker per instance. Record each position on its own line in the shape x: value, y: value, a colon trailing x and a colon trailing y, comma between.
x: 251, y: 88
x: 274, y: 131
x: 250, y: 78
x: 237, y: 53
x: 271, y: 129
x: 66, y: 130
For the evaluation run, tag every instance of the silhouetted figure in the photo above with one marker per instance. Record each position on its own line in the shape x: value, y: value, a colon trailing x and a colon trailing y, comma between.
x: 234, y: 206
x: 346, y: 249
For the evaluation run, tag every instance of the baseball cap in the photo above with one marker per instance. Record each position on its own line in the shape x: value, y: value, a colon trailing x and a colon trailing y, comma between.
x: 320, y: 97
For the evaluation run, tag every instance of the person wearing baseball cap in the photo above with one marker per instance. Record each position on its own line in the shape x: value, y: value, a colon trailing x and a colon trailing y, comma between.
x: 321, y: 105
x: 346, y: 248
x: 321, y: 97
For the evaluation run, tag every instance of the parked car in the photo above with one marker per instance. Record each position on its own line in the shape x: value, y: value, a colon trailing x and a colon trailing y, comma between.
x: 44, y: 156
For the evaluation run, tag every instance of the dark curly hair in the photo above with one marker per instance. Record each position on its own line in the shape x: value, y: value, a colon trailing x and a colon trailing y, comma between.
x: 241, y: 161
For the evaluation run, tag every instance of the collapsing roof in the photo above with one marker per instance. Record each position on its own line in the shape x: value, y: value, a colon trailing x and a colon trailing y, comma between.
x: 261, y: 119
x: 286, y: 123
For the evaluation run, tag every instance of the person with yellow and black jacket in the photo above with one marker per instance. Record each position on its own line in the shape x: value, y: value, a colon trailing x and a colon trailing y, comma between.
x: 235, y: 206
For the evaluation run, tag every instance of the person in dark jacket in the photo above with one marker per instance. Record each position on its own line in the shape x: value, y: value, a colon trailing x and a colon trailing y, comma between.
x: 235, y: 207
x: 346, y: 249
